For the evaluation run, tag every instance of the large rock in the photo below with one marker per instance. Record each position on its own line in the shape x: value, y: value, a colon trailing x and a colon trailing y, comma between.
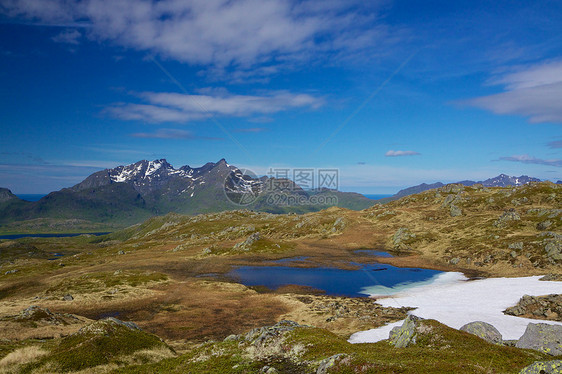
x: 329, y: 362
x: 455, y: 211
x: 405, y: 335
x: 506, y: 217
x: 247, y: 244
x: 543, y: 367
x: 483, y: 330
x: 541, y: 307
x: 402, y: 237
x: 542, y: 337
x: 262, y: 336
x: 553, y: 249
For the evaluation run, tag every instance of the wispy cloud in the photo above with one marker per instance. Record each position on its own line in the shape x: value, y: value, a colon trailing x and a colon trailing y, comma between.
x: 555, y: 144
x: 171, y: 134
x: 526, y: 159
x: 222, y: 33
x: 68, y: 37
x: 175, y: 107
x: 392, y: 153
x: 533, y: 91
x: 252, y: 129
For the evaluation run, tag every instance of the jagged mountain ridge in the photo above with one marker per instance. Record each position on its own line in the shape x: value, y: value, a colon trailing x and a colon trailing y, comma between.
x: 129, y: 194
x: 502, y: 180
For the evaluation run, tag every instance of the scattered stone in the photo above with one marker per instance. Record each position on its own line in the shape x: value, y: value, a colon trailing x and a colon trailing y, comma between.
x: 506, y: 217
x: 552, y: 277
x: 121, y: 252
x: 231, y: 338
x: 246, y: 244
x: 401, y: 238
x: 553, y: 249
x: 329, y: 362
x: 516, y: 245
x: 13, y: 271
x: 543, y: 367
x: 540, y: 307
x: 542, y: 337
x: 68, y: 297
x: 455, y: 211
x: 454, y: 260
x: 261, y: 336
x: 452, y: 188
x: 268, y: 370
x: 207, y: 251
x: 405, y: 335
x: 544, y: 225
x: 484, y: 331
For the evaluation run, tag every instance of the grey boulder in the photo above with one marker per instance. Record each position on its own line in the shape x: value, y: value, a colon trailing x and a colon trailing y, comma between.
x: 542, y: 337
x: 484, y: 331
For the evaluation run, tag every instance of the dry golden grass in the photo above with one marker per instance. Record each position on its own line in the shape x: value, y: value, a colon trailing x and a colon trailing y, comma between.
x: 13, y: 360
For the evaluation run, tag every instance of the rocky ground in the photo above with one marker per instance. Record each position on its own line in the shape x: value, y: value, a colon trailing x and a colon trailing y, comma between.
x: 167, y: 276
x: 547, y: 307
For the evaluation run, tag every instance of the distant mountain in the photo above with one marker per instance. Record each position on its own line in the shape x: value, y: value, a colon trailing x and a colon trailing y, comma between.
x: 6, y: 195
x: 501, y: 180
x: 129, y: 194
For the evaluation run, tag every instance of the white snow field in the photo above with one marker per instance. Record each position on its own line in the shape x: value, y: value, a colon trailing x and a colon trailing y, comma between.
x: 454, y: 301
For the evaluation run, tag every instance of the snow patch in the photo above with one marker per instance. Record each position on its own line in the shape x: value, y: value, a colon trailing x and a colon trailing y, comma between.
x: 454, y: 301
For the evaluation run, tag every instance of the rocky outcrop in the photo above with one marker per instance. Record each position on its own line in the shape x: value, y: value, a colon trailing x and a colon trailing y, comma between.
x: 455, y: 211
x: 329, y: 362
x: 552, y: 278
x: 262, y: 336
x: 483, y: 330
x: 247, y: 244
x: 543, y: 367
x: 541, y: 307
x: 402, y: 238
x: 405, y: 335
x: 507, y: 217
x: 542, y: 337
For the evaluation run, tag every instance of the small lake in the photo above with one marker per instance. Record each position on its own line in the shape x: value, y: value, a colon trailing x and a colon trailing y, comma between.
x: 372, y: 252
x: 18, y: 236
x: 386, y: 279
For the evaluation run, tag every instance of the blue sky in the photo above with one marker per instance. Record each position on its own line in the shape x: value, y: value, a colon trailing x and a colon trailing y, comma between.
x: 392, y: 93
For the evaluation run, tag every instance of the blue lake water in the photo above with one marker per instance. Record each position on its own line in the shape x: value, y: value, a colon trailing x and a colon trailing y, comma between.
x: 18, y: 236
x: 337, y: 282
x: 372, y: 252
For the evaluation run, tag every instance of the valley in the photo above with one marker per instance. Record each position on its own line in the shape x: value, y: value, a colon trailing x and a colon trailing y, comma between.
x: 170, y: 276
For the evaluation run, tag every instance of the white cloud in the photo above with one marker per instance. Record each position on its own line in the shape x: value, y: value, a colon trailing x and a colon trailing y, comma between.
x: 181, y: 108
x: 534, y: 92
x: 526, y: 159
x: 68, y: 37
x: 392, y: 153
x: 171, y: 134
x: 221, y: 33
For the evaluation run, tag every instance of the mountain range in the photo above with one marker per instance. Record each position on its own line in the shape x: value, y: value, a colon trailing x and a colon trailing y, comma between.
x: 129, y: 194
x: 501, y: 180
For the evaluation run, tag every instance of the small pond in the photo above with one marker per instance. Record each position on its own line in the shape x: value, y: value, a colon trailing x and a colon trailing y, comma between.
x: 372, y: 252
x: 387, y: 279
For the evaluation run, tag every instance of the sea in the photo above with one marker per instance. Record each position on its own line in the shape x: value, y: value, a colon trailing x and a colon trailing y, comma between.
x: 30, y: 197
x: 376, y: 196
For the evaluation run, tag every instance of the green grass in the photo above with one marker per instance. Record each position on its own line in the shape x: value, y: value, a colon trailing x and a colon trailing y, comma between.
x: 88, y: 349
x: 439, y: 349
x: 101, y: 281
